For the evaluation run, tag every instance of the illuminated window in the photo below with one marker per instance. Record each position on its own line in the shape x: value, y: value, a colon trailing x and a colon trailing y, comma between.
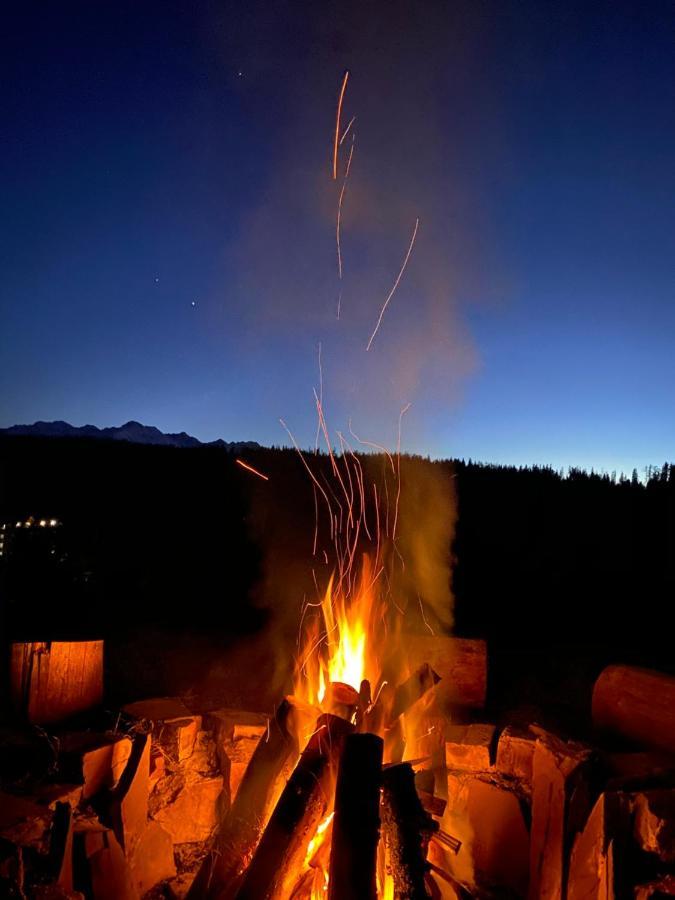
x: 43, y: 522
x: 52, y: 522
x: 19, y: 524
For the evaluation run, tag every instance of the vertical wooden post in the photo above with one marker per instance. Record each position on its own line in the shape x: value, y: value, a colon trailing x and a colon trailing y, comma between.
x: 356, y: 826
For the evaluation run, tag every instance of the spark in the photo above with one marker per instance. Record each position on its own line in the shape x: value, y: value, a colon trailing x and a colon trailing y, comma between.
x: 337, y: 123
x: 398, y: 472
x: 374, y: 445
x: 424, y: 618
x: 240, y: 462
x: 318, y: 423
x: 347, y: 129
x: 310, y: 473
x: 391, y: 292
x: 339, y: 210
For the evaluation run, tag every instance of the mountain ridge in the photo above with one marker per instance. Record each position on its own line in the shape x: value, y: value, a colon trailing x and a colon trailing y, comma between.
x: 132, y: 431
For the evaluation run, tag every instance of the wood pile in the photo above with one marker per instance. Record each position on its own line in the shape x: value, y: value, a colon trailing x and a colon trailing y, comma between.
x: 224, y: 804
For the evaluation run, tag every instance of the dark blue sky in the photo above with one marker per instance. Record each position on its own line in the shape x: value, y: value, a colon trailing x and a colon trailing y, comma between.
x: 142, y: 173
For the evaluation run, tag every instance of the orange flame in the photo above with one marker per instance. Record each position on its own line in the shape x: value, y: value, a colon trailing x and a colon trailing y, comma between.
x: 337, y: 648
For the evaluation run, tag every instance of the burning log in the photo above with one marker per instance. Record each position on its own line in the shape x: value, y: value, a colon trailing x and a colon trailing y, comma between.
x: 302, y: 805
x: 356, y: 826
x: 240, y: 829
x: 461, y: 663
x: 53, y: 680
x: 638, y: 704
x: 407, y: 829
x: 341, y: 700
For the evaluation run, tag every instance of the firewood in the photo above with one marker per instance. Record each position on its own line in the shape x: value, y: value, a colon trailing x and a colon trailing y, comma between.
x: 127, y: 811
x: 356, y: 826
x: 435, y: 806
x: 561, y: 802
x: 107, y: 874
x: 487, y: 812
x: 638, y: 704
x: 413, y: 689
x: 461, y: 663
x: 407, y: 829
x: 598, y: 861
x: 515, y: 752
x: 341, y: 700
x: 654, y: 824
x: 97, y: 761
x: 468, y: 748
x: 60, y: 857
x: 152, y: 860
x: 301, y: 807
x: 442, y: 886
x: 365, y: 702
x: 240, y: 829
x: 54, y: 680
x: 447, y: 840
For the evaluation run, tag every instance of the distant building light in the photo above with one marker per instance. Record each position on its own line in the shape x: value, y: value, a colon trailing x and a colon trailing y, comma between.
x: 53, y: 522
x: 3, y: 526
x: 43, y: 522
x: 27, y: 523
x: 19, y: 524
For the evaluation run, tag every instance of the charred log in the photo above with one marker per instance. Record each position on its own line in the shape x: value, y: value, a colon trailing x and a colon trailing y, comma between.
x: 356, y: 826
x: 302, y: 805
x: 407, y: 829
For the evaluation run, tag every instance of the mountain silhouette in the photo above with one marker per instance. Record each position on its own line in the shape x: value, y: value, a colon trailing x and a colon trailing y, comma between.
x: 134, y: 432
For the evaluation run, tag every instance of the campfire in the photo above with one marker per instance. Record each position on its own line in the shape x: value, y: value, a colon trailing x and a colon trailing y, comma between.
x: 316, y: 832
x: 338, y: 799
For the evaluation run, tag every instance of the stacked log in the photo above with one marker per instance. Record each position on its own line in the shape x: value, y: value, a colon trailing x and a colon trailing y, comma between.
x: 461, y: 664
x: 637, y: 704
x: 51, y: 681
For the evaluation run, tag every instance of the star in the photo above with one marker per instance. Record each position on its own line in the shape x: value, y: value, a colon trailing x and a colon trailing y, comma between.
x: 194, y: 303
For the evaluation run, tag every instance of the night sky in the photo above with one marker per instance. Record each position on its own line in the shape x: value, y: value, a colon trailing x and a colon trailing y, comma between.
x: 168, y: 224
